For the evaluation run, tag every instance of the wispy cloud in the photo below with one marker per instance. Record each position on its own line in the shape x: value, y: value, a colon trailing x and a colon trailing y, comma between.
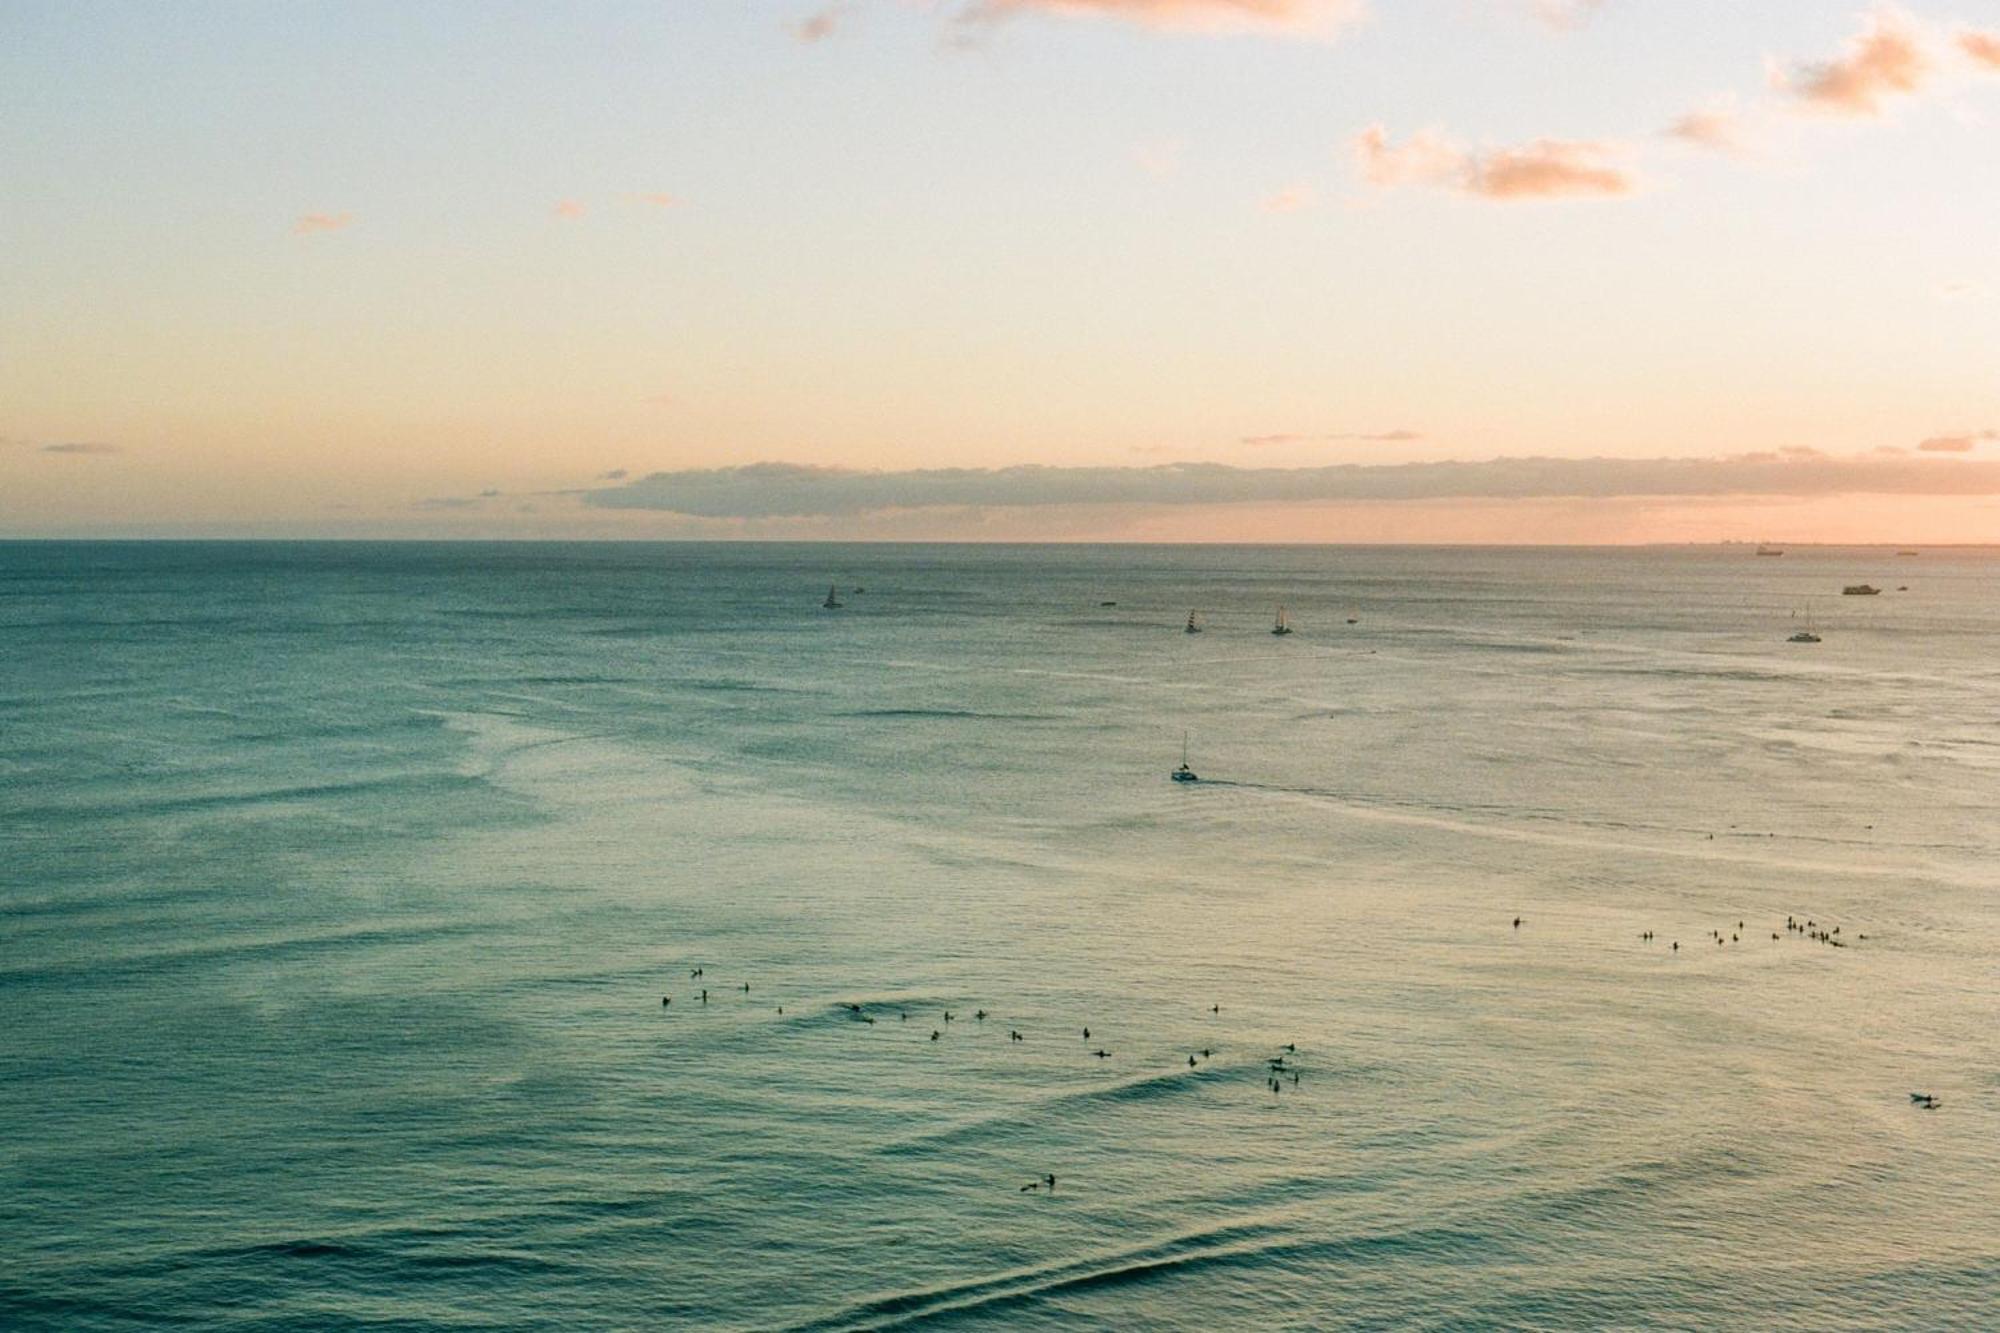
x: 1541, y: 169
x: 92, y: 447
x: 1885, y: 60
x: 1566, y: 14
x: 659, y: 200
x: 1161, y: 158
x: 1982, y: 47
x: 1374, y: 437
x: 1958, y: 444
x: 1291, y: 199
x: 1317, y: 19
x: 820, y: 25
x: 1720, y: 127
x: 310, y: 224
x: 784, y: 490
x: 570, y: 209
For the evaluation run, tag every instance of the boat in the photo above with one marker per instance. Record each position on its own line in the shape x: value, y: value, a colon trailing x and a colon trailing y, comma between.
x: 1184, y: 773
x: 1283, y: 626
x: 1860, y: 590
x: 1909, y: 553
x: 1192, y: 628
x: 832, y: 602
x: 1805, y: 635
x: 1768, y: 549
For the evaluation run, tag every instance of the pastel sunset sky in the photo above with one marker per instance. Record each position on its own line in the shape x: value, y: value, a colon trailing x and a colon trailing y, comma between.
x: 1289, y: 270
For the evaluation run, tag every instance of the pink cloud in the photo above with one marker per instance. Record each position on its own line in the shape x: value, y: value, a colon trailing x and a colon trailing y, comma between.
x: 1159, y: 159
x: 1886, y: 59
x: 1719, y: 128
x: 1983, y: 47
x: 1291, y: 199
x: 1958, y: 444
x: 656, y: 200
x: 820, y: 25
x: 1566, y: 13
x: 313, y: 223
x: 1541, y: 169
x: 1303, y: 18
x: 1372, y: 437
x: 570, y: 208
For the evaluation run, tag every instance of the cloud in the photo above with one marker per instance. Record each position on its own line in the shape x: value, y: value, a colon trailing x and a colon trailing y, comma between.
x: 1958, y: 444
x: 1983, y: 47
x: 786, y: 490
x: 1159, y: 159
x: 1885, y: 59
x: 1541, y: 169
x: 313, y: 223
x: 91, y: 447
x: 1566, y: 14
x: 1315, y: 19
x: 820, y: 25
x: 1720, y: 127
x: 1291, y: 199
x: 437, y: 502
x: 657, y: 200
x: 1377, y: 437
x: 570, y: 208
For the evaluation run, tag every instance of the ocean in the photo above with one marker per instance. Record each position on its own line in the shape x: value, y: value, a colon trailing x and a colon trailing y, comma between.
x: 341, y: 886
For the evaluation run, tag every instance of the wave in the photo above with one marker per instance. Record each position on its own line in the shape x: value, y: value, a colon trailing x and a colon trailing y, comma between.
x: 969, y: 714
x: 204, y: 956
x: 1241, y: 1245
x: 198, y: 803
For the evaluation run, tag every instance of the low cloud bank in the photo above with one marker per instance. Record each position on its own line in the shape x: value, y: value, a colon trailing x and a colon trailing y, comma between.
x: 788, y: 490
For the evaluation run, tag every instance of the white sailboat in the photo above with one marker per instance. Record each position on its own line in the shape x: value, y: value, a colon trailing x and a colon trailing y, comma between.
x: 1192, y: 627
x: 1184, y: 773
x: 1283, y: 626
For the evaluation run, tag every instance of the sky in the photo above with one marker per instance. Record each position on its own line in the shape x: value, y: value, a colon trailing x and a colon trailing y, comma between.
x: 1180, y: 270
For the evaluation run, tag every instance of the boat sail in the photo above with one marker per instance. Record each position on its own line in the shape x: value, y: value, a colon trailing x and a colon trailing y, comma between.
x: 1192, y: 627
x: 832, y: 602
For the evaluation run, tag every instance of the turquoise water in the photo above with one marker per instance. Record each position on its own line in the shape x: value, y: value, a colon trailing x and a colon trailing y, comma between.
x: 340, y: 887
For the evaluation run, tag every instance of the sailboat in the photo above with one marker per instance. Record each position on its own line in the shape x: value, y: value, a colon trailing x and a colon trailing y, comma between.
x: 1283, y: 626
x: 1805, y: 635
x: 832, y: 602
x: 1184, y: 773
x: 1192, y: 628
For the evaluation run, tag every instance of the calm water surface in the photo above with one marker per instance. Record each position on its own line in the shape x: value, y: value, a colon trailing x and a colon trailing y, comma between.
x: 340, y: 886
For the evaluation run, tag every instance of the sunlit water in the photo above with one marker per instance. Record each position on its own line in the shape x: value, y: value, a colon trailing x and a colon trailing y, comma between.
x: 340, y: 887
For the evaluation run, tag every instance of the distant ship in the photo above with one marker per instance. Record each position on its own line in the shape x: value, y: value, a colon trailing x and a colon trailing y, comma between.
x: 1192, y: 628
x: 1768, y: 549
x: 1184, y: 773
x: 1283, y: 626
x: 832, y: 602
x: 1860, y: 590
x: 1909, y: 553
